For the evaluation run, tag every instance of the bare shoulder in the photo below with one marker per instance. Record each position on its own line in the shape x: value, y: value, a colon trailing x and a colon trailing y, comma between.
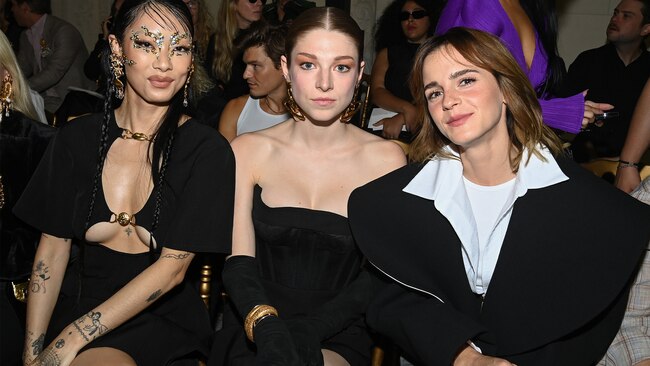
x: 260, y: 143
x: 384, y: 155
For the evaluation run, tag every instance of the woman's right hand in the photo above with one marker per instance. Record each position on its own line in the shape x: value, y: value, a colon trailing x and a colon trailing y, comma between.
x: 592, y: 109
x: 469, y: 357
x: 627, y: 179
x: 274, y: 343
x: 392, y: 126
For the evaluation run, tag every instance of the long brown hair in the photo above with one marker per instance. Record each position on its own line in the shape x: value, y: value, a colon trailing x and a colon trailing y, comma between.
x: 523, y: 113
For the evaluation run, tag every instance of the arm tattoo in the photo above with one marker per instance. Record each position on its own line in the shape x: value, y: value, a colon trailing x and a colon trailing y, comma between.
x: 90, y: 325
x: 49, y: 358
x: 154, y: 296
x: 80, y: 331
x: 37, y: 345
x: 177, y: 256
x: 39, y: 276
x: 60, y: 343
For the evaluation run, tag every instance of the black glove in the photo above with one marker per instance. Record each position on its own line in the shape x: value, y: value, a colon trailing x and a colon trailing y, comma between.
x: 241, y: 280
x: 341, y: 311
x: 307, y: 342
x: 274, y: 344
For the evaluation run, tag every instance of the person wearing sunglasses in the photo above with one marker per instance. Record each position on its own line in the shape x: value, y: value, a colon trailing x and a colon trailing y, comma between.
x: 224, y: 62
x: 396, y: 46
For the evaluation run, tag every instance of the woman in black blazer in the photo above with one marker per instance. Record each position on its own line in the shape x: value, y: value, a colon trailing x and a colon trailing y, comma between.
x: 492, y: 248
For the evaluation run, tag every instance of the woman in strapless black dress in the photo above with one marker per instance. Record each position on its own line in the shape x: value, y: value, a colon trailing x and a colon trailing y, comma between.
x: 295, y: 281
x: 124, y: 199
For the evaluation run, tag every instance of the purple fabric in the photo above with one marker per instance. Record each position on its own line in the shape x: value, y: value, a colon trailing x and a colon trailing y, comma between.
x: 489, y: 16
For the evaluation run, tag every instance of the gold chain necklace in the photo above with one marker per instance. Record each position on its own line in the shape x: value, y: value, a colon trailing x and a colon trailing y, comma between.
x: 266, y: 101
x: 139, y: 136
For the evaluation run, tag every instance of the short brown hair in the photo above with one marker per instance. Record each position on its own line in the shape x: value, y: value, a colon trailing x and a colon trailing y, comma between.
x: 523, y: 113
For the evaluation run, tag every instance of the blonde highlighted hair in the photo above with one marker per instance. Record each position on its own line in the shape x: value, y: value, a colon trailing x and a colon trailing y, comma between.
x: 22, y: 101
x: 224, y: 50
x: 523, y: 113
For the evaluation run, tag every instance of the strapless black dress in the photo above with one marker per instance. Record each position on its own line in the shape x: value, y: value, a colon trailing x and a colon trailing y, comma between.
x: 305, y: 258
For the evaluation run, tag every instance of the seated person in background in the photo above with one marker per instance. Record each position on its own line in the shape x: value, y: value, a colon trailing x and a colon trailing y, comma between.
x: 636, y: 144
x: 78, y: 102
x: 614, y: 73
x: 284, y: 11
x: 528, y: 28
x: 223, y: 59
x: 481, y: 270
x: 22, y: 142
x: 52, y: 52
x: 404, y: 25
x: 263, y: 46
x: 203, y: 27
x: 93, y: 66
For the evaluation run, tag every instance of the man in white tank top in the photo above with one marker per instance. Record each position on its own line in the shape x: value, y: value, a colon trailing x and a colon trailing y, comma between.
x: 264, y: 107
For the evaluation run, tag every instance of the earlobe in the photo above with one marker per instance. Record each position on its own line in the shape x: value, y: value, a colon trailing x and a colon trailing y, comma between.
x: 363, y: 67
x: 645, y: 30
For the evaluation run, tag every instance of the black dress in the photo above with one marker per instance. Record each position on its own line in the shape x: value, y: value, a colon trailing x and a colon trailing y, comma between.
x: 400, y: 63
x: 196, y: 216
x: 305, y: 258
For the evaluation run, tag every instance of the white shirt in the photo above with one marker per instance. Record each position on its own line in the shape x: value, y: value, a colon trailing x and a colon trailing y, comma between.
x: 441, y: 181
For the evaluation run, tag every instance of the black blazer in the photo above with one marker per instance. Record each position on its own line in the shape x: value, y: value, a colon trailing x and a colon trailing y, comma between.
x: 560, y: 286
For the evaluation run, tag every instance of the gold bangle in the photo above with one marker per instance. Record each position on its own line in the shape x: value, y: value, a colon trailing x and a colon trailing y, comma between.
x: 256, y: 315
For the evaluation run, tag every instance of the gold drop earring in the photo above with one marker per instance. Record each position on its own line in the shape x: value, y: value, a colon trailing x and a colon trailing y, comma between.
x: 6, y: 96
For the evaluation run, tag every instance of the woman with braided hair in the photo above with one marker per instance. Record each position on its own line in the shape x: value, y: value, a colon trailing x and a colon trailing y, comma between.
x: 137, y: 190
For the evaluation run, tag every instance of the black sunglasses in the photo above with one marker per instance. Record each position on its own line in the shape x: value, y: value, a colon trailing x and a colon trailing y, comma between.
x: 254, y: 1
x: 416, y: 14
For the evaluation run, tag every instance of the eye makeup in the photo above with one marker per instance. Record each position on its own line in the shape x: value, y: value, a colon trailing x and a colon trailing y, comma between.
x: 159, y: 39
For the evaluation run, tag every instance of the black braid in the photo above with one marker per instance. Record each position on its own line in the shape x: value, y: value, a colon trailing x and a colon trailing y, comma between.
x: 158, y: 193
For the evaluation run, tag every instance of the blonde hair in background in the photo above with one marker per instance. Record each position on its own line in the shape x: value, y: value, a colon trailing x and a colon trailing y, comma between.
x: 204, y: 28
x: 227, y: 29
x: 22, y: 100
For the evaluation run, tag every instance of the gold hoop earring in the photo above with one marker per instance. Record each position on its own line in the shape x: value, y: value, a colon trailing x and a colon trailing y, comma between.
x: 6, y: 96
x: 291, y: 104
x: 187, y: 83
x: 352, y: 108
x: 117, y: 68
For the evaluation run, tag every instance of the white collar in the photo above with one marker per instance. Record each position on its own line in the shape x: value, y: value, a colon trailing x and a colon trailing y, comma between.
x: 441, y: 177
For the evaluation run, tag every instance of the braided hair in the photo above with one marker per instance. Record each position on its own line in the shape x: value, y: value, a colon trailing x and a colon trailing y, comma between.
x: 164, y: 136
